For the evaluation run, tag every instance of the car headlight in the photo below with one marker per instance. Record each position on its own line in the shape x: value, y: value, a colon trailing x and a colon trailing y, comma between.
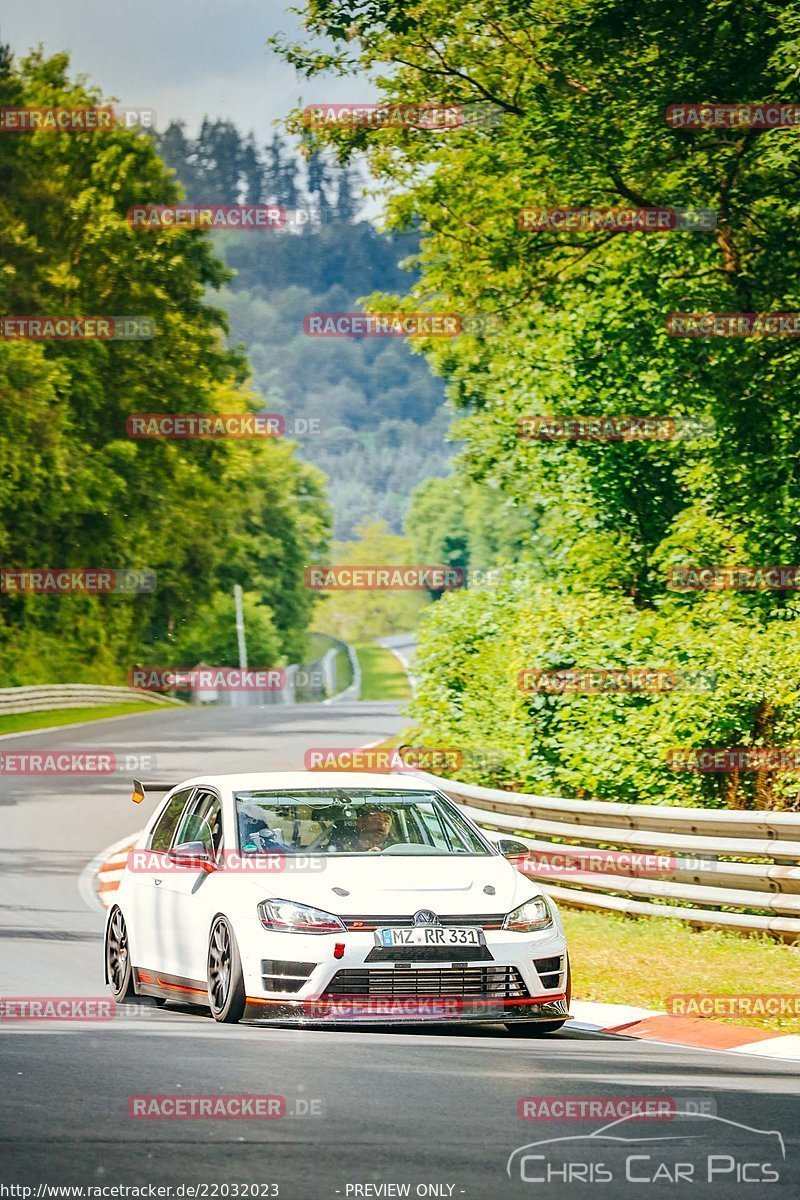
x: 285, y: 916
x: 533, y: 914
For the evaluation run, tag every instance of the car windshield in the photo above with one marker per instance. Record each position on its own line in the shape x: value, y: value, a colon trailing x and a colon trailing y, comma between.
x: 353, y: 821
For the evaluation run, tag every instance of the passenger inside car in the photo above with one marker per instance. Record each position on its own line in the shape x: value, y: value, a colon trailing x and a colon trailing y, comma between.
x: 256, y: 835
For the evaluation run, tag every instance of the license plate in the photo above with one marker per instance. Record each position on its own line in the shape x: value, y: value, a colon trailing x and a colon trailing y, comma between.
x: 430, y: 935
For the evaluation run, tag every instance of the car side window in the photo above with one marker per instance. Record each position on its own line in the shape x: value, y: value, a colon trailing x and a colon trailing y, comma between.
x: 202, y: 822
x: 161, y: 837
x: 430, y: 819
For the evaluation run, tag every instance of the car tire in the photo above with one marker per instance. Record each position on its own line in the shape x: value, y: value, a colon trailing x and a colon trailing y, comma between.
x: 119, y: 969
x: 226, y: 993
x: 536, y: 1029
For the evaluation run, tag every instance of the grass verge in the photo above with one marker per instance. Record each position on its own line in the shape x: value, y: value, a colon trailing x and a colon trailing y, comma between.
x: 19, y: 722
x: 644, y: 961
x: 382, y: 673
x: 625, y: 960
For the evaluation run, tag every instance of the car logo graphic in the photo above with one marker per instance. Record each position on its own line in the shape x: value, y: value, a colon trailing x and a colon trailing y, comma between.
x: 426, y: 917
x: 609, y: 1134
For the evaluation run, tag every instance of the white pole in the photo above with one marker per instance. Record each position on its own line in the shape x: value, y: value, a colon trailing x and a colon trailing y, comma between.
x: 237, y: 595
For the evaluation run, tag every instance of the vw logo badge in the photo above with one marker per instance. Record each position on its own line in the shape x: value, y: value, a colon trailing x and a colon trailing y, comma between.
x: 426, y: 917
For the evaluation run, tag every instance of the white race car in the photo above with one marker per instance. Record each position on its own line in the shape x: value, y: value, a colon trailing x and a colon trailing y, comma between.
x: 333, y: 897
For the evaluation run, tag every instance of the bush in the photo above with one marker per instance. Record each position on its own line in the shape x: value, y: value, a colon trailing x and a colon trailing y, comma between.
x: 606, y: 746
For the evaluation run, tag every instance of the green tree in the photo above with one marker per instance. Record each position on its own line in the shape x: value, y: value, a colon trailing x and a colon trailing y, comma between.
x: 361, y: 615
x: 218, y: 153
x: 582, y: 92
x: 579, y: 94
x: 77, y: 491
x: 281, y: 174
x: 457, y: 522
x: 252, y: 168
x: 211, y: 637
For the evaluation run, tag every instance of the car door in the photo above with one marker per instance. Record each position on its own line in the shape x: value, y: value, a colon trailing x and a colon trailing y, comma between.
x: 183, y: 899
x: 148, y: 947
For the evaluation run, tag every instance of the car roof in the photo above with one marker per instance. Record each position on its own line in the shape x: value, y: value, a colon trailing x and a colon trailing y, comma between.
x: 309, y: 781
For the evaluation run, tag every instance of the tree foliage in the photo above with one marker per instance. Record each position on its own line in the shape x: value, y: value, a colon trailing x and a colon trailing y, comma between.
x: 579, y: 93
x: 356, y: 615
x: 76, y: 491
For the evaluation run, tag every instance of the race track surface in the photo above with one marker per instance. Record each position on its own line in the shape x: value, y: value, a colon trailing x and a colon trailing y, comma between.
x: 368, y: 1112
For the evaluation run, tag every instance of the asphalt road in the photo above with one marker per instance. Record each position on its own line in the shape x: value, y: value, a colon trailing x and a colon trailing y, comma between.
x: 368, y: 1112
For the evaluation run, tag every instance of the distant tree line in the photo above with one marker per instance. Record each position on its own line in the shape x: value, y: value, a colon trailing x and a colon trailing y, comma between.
x: 223, y: 166
x: 381, y: 409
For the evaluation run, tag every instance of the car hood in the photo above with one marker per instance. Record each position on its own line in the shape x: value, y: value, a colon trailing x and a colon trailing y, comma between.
x: 393, y: 885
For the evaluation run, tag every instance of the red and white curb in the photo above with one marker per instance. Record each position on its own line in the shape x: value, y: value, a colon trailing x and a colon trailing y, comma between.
x: 100, y: 880
x: 623, y: 1020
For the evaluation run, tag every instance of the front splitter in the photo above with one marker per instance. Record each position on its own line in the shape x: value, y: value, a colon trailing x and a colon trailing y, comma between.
x: 353, y: 1010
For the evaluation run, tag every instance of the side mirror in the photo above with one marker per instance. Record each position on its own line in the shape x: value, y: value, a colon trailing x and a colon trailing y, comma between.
x: 510, y: 848
x: 191, y: 854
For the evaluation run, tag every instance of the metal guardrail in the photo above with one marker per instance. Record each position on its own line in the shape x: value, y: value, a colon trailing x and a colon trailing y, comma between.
x: 72, y: 695
x: 313, y: 679
x: 353, y: 691
x: 705, y: 876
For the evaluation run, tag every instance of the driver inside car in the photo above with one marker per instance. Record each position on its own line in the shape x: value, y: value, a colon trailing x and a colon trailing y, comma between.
x: 369, y: 834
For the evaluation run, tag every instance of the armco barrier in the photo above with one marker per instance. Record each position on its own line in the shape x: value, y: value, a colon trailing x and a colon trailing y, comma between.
x: 353, y: 692
x: 72, y: 695
x: 84, y: 695
x: 705, y: 879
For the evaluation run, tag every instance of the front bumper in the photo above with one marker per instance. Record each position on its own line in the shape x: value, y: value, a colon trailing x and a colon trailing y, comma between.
x: 339, y: 981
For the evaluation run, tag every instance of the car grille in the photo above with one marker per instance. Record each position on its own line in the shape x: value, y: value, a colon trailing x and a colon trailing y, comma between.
x: 496, y: 982
x: 281, y: 975
x: 448, y: 954
x: 406, y: 921
x: 549, y: 971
